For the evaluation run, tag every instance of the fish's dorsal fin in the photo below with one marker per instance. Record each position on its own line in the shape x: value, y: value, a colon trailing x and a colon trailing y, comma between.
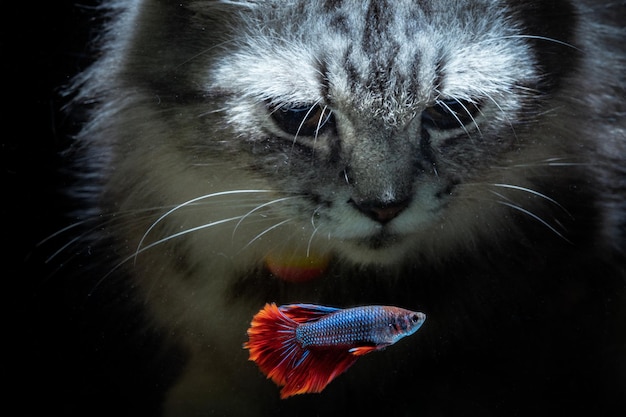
x: 302, y: 313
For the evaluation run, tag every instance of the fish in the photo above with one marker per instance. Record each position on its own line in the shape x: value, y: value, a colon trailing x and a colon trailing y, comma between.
x: 303, y: 347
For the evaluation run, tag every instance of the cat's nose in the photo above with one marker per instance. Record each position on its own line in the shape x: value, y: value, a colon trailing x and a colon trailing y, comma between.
x: 382, y: 212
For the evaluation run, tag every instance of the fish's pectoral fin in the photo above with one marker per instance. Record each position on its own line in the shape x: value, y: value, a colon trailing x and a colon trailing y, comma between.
x: 364, y: 350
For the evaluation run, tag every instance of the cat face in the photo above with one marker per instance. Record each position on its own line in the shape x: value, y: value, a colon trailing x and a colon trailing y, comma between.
x: 382, y: 126
x: 373, y: 130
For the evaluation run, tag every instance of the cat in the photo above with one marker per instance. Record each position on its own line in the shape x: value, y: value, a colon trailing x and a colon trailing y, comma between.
x: 466, y: 159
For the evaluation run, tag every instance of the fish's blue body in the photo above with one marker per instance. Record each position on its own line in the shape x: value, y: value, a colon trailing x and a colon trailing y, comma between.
x: 359, y: 326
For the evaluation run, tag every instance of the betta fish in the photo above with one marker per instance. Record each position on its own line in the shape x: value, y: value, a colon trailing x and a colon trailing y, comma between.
x: 303, y: 347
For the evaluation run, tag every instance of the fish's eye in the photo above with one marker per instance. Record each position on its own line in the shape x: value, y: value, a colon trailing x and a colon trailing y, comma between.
x: 450, y: 114
x: 415, y: 318
x: 302, y: 120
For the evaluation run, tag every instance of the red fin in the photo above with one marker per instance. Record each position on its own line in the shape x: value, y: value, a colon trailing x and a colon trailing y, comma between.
x: 272, y: 343
x: 316, y: 370
x: 302, y: 313
x: 274, y: 348
x: 364, y: 350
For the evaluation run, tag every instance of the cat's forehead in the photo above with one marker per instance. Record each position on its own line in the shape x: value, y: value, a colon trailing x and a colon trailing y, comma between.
x: 384, y: 55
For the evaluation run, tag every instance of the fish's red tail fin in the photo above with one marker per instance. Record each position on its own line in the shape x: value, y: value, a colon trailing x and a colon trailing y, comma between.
x: 272, y: 343
x: 276, y: 351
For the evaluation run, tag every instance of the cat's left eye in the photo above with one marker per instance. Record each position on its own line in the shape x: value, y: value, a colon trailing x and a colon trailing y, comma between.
x: 450, y: 114
x: 302, y: 120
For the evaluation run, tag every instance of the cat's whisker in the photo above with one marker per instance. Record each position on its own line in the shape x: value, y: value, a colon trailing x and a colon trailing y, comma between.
x: 534, y: 216
x: 533, y: 192
x: 314, y: 215
x: 315, y: 229
x: 504, y: 114
x: 310, y: 242
x: 535, y: 37
x: 470, y: 115
x: 269, y: 229
x: 90, y: 219
x: 555, y: 162
x: 203, y: 52
x: 511, y: 204
x: 68, y: 245
x: 306, y: 116
x: 190, y: 202
x: 507, y: 201
x: 68, y: 228
x: 212, y: 111
x: 158, y: 242
x: 568, y: 164
x: 257, y: 208
x: 552, y: 162
x: 320, y: 122
x: 442, y: 103
x: 112, y: 218
x: 526, y: 89
x: 345, y: 176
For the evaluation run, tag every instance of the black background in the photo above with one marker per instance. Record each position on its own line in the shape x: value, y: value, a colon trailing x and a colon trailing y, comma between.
x: 63, y: 355
x: 43, y: 46
x: 48, y: 366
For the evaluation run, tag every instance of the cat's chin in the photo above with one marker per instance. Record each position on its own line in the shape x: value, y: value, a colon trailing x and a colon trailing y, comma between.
x: 383, y: 248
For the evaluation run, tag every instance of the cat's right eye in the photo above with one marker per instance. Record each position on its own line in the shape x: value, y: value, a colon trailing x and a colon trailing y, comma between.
x: 302, y: 120
x: 450, y: 114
